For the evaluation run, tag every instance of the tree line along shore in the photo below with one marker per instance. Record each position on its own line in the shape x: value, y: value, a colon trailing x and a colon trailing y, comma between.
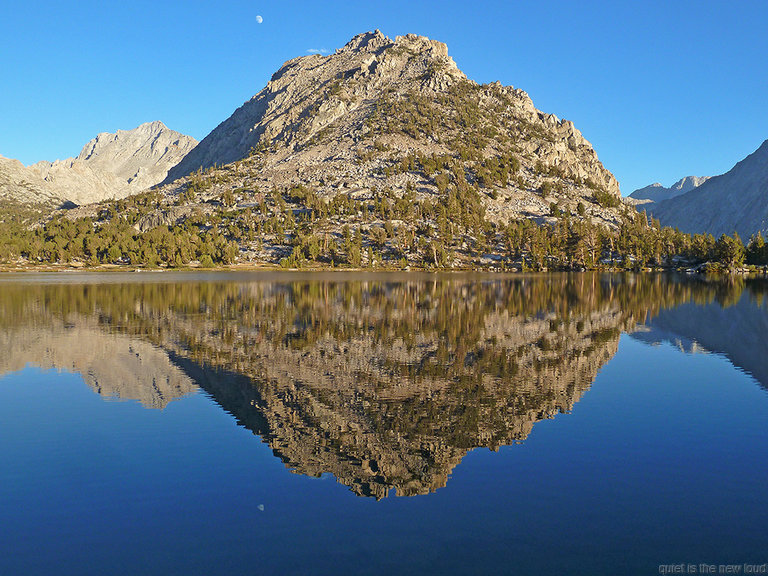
x: 295, y: 228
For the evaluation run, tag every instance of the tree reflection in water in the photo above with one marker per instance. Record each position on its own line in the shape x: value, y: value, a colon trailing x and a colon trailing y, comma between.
x: 383, y: 381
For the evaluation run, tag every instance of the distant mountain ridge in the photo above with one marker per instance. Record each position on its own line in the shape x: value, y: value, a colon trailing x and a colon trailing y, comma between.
x: 734, y: 201
x: 110, y: 166
x: 656, y: 192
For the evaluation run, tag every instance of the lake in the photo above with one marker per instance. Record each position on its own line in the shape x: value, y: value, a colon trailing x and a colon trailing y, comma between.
x: 363, y: 423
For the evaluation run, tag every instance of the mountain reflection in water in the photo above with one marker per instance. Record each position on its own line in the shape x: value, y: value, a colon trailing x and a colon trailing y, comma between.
x: 383, y: 381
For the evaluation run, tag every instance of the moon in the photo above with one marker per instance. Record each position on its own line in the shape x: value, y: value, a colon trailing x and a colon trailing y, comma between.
x: 259, y: 19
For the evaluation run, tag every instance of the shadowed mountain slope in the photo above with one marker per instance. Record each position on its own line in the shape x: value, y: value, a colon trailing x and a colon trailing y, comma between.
x: 734, y: 201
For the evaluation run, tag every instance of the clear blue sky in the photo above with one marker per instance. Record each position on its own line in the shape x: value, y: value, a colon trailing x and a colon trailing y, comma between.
x: 662, y: 89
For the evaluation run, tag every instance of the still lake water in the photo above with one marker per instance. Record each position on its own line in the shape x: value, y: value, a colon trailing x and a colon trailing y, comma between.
x: 381, y: 424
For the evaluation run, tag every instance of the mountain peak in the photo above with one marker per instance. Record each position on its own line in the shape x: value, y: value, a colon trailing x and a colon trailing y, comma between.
x: 400, y: 116
x: 367, y: 41
x: 152, y: 127
x: 656, y: 192
x: 689, y: 183
x: 353, y: 94
x: 111, y: 165
x: 140, y: 157
x: 308, y: 93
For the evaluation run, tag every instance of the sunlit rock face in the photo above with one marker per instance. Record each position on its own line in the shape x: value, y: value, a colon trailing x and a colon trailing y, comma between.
x: 339, y: 123
x: 110, y: 166
x: 657, y: 193
x: 385, y: 382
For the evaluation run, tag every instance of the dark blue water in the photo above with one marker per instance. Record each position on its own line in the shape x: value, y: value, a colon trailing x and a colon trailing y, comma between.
x: 662, y: 460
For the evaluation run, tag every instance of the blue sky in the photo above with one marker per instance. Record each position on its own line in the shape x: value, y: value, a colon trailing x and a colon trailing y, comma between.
x: 661, y: 89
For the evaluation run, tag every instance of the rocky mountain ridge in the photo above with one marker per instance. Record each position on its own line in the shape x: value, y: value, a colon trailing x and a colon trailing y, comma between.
x: 382, y: 155
x: 110, y: 166
x: 370, y: 116
x: 734, y: 201
x: 19, y: 184
x: 656, y: 192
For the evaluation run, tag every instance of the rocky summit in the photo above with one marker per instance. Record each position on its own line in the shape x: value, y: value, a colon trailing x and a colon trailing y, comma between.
x: 110, y: 166
x: 398, y: 116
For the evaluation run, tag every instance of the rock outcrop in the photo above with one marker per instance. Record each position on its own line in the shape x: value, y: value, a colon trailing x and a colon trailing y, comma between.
x: 111, y: 166
x: 734, y: 201
x: 19, y: 184
x: 310, y: 93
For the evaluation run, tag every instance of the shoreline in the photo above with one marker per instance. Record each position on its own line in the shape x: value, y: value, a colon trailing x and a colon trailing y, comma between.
x: 705, y: 269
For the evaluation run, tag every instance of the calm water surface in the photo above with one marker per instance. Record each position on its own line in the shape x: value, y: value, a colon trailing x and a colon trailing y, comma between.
x: 381, y: 424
